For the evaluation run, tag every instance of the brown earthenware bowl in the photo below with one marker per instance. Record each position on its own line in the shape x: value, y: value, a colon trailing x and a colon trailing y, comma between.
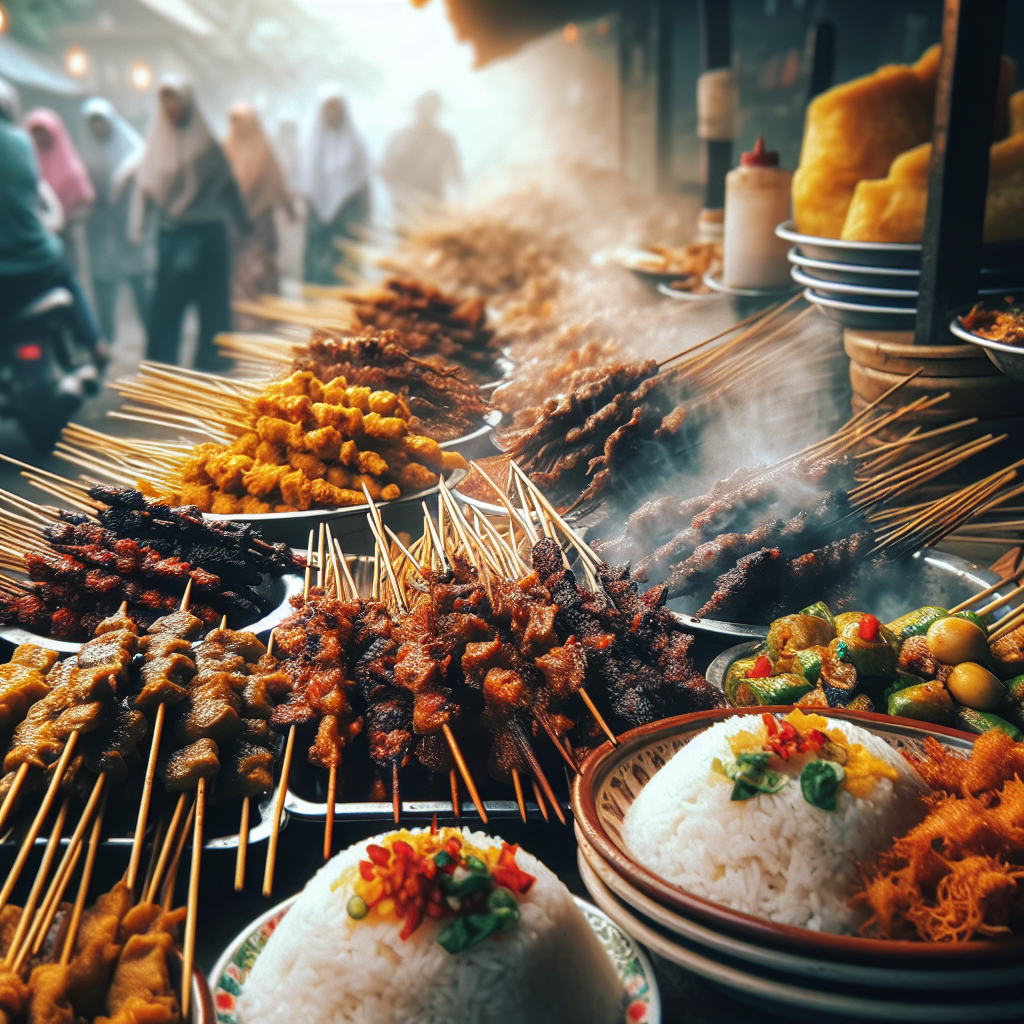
x: 611, y: 778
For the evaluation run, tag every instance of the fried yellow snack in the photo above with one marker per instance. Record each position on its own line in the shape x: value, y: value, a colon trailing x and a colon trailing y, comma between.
x: 423, y: 449
x: 371, y: 483
x: 348, y: 421
x: 358, y: 397
x: 297, y: 384
x: 325, y: 443
x: 335, y: 497
x: 199, y: 495
x: 390, y: 492
x: 246, y: 444
x: 278, y: 431
x: 227, y: 469
x: 451, y: 461
x: 384, y: 428
x: 225, y: 504
x: 372, y: 463
x: 415, y: 477
x: 334, y: 392
x: 294, y: 408
x: 349, y: 455
x: 193, y: 469
x: 308, y: 463
x: 341, y: 477
x: 383, y: 402
x: 271, y: 454
x: 253, y: 506
x: 296, y: 491
x: 856, y: 130
x: 262, y: 479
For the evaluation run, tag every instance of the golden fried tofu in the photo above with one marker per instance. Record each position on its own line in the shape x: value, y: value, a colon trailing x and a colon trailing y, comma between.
x: 383, y: 402
x: 371, y: 483
x: 340, y: 477
x: 225, y: 504
x: 451, y: 461
x: 253, y: 506
x: 200, y: 495
x: 329, y: 496
x: 390, y: 492
x: 307, y: 463
x: 415, y: 477
x: 246, y: 444
x: 227, y: 469
x: 423, y: 449
x: 271, y: 454
x: 324, y: 443
x: 386, y: 428
x: 348, y: 421
x: 334, y: 392
x: 358, y: 397
x: 261, y: 479
x: 297, y: 384
x: 295, y: 490
x: 856, y: 130
x: 279, y: 431
x: 372, y: 463
x: 349, y: 455
x: 294, y: 408
x: 193, y: 470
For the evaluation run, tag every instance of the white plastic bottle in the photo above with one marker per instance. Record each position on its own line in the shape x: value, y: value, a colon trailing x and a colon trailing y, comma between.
x: 756, y: 200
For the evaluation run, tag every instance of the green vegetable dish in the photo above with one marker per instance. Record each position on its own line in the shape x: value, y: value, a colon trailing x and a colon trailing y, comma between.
x: 931, y: 665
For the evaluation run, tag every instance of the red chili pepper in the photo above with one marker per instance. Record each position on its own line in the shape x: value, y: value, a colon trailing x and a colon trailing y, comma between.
x: 366, y: 871
x: 770, y: 724
x: 814, y: 740
x: 453, y: 846
x: 380, y: 855
x: 508, y: 874
x: 403, y: 849
x: 412, y: 922
x: 433, y: 825
x: 761, y: 669
x: 869, y: 627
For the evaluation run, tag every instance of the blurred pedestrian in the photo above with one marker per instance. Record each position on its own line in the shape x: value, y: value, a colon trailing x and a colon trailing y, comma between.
x: 64, y: 172
x: 263, y: 187
x: 111, y: 151
x: 336, y: 183
x: 186, y: 176
x: 31, y: 257
x: 421, y: 162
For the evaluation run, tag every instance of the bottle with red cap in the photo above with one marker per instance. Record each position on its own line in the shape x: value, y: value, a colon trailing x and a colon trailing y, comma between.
x: 756, y: 200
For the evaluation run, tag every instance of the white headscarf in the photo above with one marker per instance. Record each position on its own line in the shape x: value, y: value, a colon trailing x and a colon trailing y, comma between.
x: 335, y: 165
x: 169, y: 173
x: 110, y: 161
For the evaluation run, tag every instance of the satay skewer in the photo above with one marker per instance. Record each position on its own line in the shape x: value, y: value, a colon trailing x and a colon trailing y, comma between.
x: 83, y: 885
x: 453, y: 783
x: 40, y: 927
x: 275, y: 827
x: 12, y: 795
x: 464, y: 771
x: 171, y: 881
x: 987, y: 592
x: 189, y: 952
x: 165, y: 850
x: 518, y: 784
x: 154, y: 853
x: 243, y: 845
x: 396, y: 800
x: 540, y: 800
x: 1000, y: 601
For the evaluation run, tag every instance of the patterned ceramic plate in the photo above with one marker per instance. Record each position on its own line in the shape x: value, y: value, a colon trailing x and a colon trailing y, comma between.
x: 642, y: 1002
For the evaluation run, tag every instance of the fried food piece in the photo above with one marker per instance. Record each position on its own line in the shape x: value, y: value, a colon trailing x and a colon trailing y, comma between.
x: 293, y: 408
x: 329, y: 496
x: 855, y: 130
x: 335, y: 392
x: 96, y: 951
x: 48, y: 995
x: 349, y: 422
x: 309, y: 465
x: 199, y: 495
x: 33, y: 656
x: 325, y: 443
x: 187, y: 766
x: 253, y: 506
x: 372, y: 464
x: 297, y: 384
x: 383, y: 402
x: 270, y: 454
x: 14, y: 994
x: 451, y: 461
x: 384, y: 428
x: 246, y: 444
x: 1008, y: 652
x: 415, y: 477
x: 262, y: 478
x: 424, y: 450
x: 296, y: 491
x: 279, y: 431
x: 193, y: 471
x: 389, y: 492
x: 338, y: 476
x: 349, y: 455
x: 20, y: 687
x: 358, y: 398
x: 225, y: 505
x: 226, y: 470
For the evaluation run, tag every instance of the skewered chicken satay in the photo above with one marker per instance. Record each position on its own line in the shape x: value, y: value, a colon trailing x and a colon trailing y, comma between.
x: 23, y: 682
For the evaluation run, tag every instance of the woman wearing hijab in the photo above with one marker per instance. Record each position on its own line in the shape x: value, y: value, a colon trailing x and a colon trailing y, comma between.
x: 336, y: 182
x: 31, y: 256
x: 111, y: 150
x: 185, y: 175
x: 264, y: 189
x: 64, y: 172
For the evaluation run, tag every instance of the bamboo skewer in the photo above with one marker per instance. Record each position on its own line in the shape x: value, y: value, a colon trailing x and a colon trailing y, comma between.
x: 154, y: 853
x: 243, y: 846
x: 41, y: 926
x: 12, y: 795
x: 171, y: 881
x: 987, y: 592
x: 165, y: 851
x: 518, y: 784
x: 332, y: 790
x: 275, y: 827
x: 1013, y: 622
x: 147, y: 790
x: 453, y: 783
x: 540, y: 800
x: 189, y: 953
x: 597, y: 715
x: 37, y: 823
x: 464, y: 771
x: 83, y: 885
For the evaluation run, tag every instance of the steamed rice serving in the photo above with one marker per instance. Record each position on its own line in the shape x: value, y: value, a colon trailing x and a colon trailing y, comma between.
x: 769, y: 816
x: 341, y: 953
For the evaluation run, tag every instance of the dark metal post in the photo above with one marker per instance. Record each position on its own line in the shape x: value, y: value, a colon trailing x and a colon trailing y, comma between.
x: 665, y: 13
x: 823, y: 61
x: 716, y: 52
x: 965, y: 99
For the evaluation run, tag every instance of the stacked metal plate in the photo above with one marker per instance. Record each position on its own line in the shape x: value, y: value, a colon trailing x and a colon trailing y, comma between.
x: 874, y: 285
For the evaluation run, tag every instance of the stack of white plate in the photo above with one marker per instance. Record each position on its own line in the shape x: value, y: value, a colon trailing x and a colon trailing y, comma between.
x: 801, y: 973
x: 874, y: 285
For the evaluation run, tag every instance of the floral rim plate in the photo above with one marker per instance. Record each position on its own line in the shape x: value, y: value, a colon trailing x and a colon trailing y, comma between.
x: 642, y: 999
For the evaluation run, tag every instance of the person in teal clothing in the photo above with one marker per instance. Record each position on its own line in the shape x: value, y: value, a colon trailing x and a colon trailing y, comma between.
x: 31, y: 258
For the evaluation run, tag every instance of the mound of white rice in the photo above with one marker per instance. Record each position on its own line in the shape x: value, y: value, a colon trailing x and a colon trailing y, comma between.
x: 321, y: 966
x: 775, y: 856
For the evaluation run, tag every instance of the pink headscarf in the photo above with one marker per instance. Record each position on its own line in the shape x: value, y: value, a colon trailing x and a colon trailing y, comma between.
x: 59, y: 162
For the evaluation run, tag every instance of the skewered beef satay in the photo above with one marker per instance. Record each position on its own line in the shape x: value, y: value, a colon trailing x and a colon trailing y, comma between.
x: 23, y: 682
